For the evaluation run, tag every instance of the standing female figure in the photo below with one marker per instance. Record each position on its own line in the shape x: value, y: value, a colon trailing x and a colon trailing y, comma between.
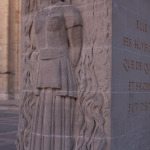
x: 58, y: 29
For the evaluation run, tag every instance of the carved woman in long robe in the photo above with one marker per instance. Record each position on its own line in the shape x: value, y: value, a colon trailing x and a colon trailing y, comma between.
x: 58, y: 36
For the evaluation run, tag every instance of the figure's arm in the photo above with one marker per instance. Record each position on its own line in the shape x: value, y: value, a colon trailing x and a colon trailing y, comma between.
x: 75, y: 43
x: 73, y: 22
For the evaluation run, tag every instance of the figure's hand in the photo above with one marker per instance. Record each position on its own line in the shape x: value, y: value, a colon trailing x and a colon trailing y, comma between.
x: 37, y: 92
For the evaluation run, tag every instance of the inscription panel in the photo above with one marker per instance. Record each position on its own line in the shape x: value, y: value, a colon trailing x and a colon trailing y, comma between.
x: 130, y: 75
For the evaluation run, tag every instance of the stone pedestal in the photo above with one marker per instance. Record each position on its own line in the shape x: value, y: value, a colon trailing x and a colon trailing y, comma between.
x: 112, y: 76
x: 130, y: 102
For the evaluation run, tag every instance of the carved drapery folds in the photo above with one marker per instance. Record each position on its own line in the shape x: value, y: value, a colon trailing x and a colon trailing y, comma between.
x: 51, y: 48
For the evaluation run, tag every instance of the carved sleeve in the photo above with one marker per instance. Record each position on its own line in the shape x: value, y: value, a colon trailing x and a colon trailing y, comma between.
x: 75, y: 43
x: 74, y: 33
x: 72, y: 17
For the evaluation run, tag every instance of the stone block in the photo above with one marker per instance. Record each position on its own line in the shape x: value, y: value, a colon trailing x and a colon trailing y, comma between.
x: 105, y: 56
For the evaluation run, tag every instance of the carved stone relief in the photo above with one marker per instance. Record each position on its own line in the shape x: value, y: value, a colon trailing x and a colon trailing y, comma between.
x: 94, y: 76
x: 28, y: 73
x: 63, y: 100
x: 51, y: 50
x: 90, y: 134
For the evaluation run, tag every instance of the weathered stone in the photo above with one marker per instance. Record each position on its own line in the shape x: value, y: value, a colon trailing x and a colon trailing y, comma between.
x: 130, y: 75
x: 53, y: 41
x: 52, y: 70
x: 85, y: 75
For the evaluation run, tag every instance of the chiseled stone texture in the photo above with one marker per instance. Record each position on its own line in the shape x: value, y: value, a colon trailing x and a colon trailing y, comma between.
x: 94, y: 70
x: 92, y: 74
x: 110, y: 113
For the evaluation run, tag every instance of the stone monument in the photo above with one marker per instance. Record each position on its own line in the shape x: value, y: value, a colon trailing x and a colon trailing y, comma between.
x: 57, y: 33
x: 62, y: 102
x: 85, y: 75
x: 130, y: 102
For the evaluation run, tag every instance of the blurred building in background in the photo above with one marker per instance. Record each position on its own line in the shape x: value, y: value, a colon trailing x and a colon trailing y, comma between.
x: 10, y: 31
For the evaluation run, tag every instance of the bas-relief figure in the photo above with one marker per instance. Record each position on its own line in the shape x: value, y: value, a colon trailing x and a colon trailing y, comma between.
x: 58, y: 33
x: 47, y: 112
x: 58, y: 29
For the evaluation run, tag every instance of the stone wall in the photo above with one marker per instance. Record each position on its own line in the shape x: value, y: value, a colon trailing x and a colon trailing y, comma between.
x: 92, y: 124
x: 10, y: 14
x: 96, y: 61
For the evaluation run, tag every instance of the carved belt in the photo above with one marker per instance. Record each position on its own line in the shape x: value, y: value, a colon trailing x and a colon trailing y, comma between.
x: 52, y: 53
